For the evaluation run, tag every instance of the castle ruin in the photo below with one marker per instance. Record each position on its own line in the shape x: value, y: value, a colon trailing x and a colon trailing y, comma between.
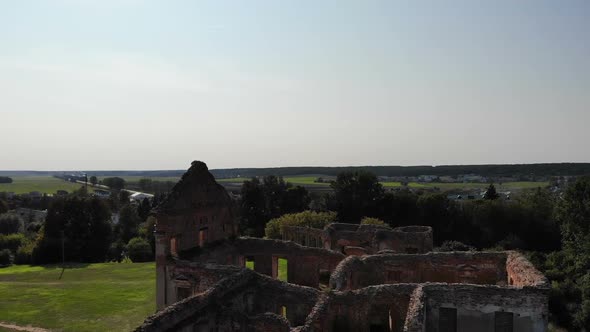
x: 343, y: 278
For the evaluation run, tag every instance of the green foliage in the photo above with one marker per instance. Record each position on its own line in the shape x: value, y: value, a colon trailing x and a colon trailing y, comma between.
x: 3, y: 206
x: 357, y: 194
x: 85, y: 225
x: 5, y: 179
x: 143, y: 210
x: 268, y: 199
x: 124, y: 197
x: 373, y: 221
x: 93, y: 180
x: 491, y: 193
x: 454, y: 246
x: 146, y: 230
x: 129, y: 220
x: 34, y: 227
x: 6, y: 258
x: 573, y: 214
x: 24, y: 254
x: 437, y: 211
x: 274, y: 228
x: 10, y: 224
x: 115, y: 183
x: 569, y: 298
x: 479, y: 223
x: 117, y: 251
x: 11, y: 241
x: 145, y: 184
x: 139, y: 250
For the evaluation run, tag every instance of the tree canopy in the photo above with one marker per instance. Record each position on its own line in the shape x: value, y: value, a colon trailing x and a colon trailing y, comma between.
x: 86, y: 227
x: 357, y: 194
x: 274, y: 228
x: 270, y: 198
x: 5, y: 179
x: 491, y: 192
x: 115, y: 183
x: 10, y: 224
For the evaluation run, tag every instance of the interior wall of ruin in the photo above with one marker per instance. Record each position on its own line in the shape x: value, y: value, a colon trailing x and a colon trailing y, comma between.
x: 482, y: 308
x: 456, y: 267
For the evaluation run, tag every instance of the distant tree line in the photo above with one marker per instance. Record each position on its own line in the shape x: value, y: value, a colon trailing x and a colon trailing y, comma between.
x: 548, y: 169
x: 5, y: 179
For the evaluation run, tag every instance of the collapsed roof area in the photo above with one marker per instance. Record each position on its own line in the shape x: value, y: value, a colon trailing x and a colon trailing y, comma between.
x: 342, y: 278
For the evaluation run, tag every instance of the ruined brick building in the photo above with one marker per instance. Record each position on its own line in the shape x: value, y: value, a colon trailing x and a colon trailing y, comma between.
x: 342, y: 278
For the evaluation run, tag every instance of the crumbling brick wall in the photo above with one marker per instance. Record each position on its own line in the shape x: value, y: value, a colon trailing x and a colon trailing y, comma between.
x: 239, y: 302
x: 372, y: 238
x: 372, y: 308
x: 521, y: 272
x: 453, y: 267
x: 481, y: 308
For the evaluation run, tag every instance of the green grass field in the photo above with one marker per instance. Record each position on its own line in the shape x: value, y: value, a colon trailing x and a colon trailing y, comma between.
x: 282, y: 268
x: 94, y: 297
x: 42, y: 184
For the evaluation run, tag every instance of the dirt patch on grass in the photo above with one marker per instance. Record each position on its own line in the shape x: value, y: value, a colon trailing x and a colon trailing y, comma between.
x: 22, y: 328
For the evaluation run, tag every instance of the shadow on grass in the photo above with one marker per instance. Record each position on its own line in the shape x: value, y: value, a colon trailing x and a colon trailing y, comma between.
x: 71, y: 266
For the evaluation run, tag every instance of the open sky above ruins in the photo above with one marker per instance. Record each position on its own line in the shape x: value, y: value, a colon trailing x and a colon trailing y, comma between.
x: 134, y: 84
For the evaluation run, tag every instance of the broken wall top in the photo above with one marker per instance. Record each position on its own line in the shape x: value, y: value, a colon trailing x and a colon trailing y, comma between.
x: 196, y: 189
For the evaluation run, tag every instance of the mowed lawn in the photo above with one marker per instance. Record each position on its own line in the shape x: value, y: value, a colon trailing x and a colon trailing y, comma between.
x: 42, y: 184
x: 94, y: 297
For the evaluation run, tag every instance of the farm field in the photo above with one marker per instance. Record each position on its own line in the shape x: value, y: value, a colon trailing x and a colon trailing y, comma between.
x: 88, y: 297
x: 42, y: 184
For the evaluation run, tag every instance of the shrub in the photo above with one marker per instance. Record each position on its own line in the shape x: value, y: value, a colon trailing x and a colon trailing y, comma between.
x: 24, y: 254
x: 10, y: 224
x: 139, y: 250
x: 5, y: 179
x: 511, y: 242
x: 116, y: 251
x: 11, y: 241
x: 373, y: 221
x: 3, y: 206
x: 274, y: 228
x: 34, y: 227
x: 455, y: 246
x: 5, y: 257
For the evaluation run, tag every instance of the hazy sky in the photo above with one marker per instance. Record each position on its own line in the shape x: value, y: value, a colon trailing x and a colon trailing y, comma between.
x: 134, y: 84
